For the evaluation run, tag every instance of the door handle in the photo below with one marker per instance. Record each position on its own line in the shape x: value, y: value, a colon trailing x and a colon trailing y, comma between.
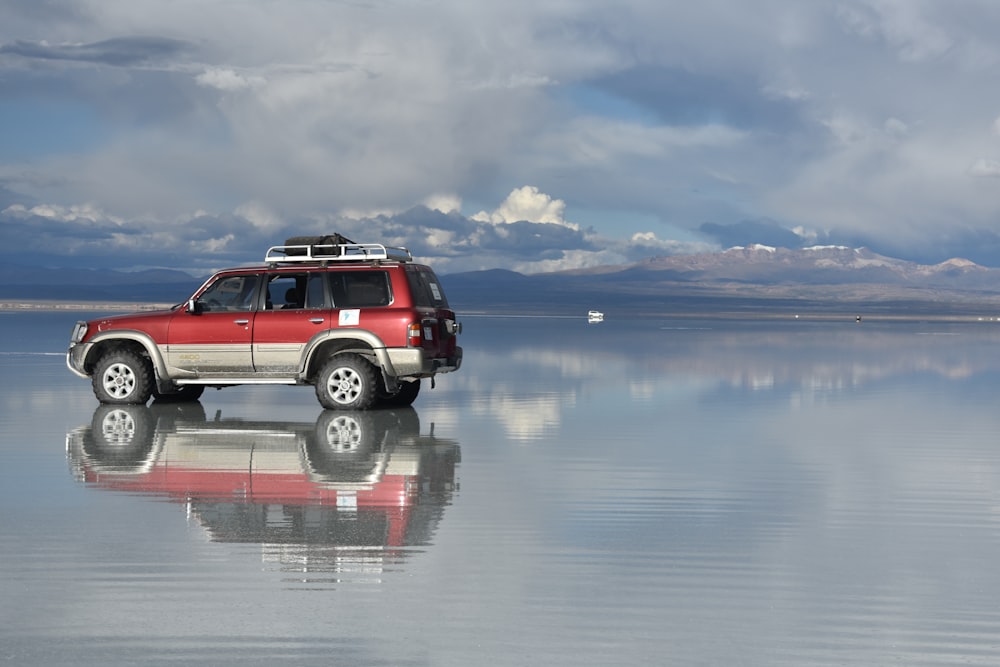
x: 316, y: 320
x: 242, y: 323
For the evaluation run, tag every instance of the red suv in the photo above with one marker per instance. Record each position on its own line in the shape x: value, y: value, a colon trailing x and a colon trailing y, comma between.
x: 361, y: 322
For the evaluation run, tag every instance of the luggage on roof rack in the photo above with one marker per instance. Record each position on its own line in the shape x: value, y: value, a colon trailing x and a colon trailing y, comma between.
x: 323, y: 244
x: 332, y: 248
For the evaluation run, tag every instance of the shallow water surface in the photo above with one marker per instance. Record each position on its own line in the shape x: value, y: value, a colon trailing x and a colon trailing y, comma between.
x: 658, y: 492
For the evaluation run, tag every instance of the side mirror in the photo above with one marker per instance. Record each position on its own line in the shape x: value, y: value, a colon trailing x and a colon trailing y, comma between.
x: 193, y: 307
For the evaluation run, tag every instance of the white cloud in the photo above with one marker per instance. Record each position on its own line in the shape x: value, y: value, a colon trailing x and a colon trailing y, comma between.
x: 365, y: 214
x: 872, y: 116
x: 440, y: 239
x: 650, y: 240
x: 904, y: 26
x: 527, y: 204
x: 645, y: 244
x: 794, y: 93
x: 610, y: 143
x: 807, y: 235
x: 570, y: 259
x: 57, y: 212
x: 985, y: 167
x: 846, y: 129
x: 259, y: 215
x: 515, y: 80
x: 228, y: 80
x: 218, y: 244
x: 445, y: 203
x: 896, y: 127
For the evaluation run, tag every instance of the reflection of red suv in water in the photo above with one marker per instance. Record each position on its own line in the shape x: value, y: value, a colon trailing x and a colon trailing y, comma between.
x: 362, y: 323
x: 351, y: 485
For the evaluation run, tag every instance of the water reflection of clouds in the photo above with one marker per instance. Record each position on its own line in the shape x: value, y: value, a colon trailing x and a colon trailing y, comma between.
x: 903, y: 489
x: 39, y: 383
x: 525, y: 418
x: 526, y: 381
x: 642, y: 390
x: 670, y: 494
x: 566, y: 364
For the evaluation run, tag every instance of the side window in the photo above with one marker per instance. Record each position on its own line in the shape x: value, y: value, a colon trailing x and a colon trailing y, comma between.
x: 360, y: 289
x: 286, y: 291
x: 315, y: 297
x: 234, y: 293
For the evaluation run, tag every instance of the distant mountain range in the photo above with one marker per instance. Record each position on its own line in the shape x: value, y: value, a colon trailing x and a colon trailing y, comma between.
x: 752, y: 279
x: 47, y: 284
x: 818, y: 265
x: 755, y: 279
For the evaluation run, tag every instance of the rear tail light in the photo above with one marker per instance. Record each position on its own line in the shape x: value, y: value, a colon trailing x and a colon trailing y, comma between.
x: 413, y: 334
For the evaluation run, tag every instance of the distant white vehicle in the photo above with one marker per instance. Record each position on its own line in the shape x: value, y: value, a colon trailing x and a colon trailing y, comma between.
x: 595, y: 316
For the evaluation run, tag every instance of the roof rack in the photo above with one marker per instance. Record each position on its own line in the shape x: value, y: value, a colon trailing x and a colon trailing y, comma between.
x: 341, y: 252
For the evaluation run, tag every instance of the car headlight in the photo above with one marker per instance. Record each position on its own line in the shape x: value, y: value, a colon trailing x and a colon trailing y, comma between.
x: 79, y: 331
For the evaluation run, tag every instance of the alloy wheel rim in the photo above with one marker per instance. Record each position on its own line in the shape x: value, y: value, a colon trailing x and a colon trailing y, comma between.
x: 119, y: 380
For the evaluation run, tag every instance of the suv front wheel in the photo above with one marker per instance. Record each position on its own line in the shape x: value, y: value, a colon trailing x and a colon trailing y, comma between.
x: 123, y: 377
x: 346, y: 381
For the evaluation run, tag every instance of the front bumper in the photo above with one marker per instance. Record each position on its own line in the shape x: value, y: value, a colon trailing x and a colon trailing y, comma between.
x: 76, y: 357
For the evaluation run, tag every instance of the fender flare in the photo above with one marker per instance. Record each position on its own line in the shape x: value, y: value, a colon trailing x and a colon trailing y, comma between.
x: 143, y: 339
x: 376, y: 347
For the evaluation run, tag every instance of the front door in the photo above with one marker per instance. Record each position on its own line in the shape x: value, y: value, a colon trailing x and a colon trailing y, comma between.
x: 215, y: 340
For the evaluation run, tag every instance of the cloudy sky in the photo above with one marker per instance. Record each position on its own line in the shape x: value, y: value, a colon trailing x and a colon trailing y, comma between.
x: 527, y: 134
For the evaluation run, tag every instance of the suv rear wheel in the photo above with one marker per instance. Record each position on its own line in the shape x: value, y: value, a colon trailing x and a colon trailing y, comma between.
x: 347, y: 381
x: 123, y: 377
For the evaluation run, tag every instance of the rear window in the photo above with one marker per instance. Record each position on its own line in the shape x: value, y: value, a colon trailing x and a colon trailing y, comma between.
x: 426, y: 289
x: 359, y: 289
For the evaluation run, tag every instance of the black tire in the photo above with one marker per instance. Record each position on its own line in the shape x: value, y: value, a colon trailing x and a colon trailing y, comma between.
x: 346, y: 382
x: 184, y: 394
x: 123, y: 377
x: 347, y: 446
x: 120, y: 437
x: 404, y: 396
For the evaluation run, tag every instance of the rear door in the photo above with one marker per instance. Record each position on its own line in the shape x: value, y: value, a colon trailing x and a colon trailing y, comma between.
x: 363, y: 299
x: 295, y: 311
x: 437, y: 318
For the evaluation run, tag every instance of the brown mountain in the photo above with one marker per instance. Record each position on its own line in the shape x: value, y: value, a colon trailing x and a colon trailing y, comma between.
x: 748, y: 280
x: 816, y: 265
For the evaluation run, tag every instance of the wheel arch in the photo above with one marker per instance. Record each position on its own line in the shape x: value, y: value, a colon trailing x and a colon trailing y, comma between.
x: 354, y: 341
x: 136, y: 341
